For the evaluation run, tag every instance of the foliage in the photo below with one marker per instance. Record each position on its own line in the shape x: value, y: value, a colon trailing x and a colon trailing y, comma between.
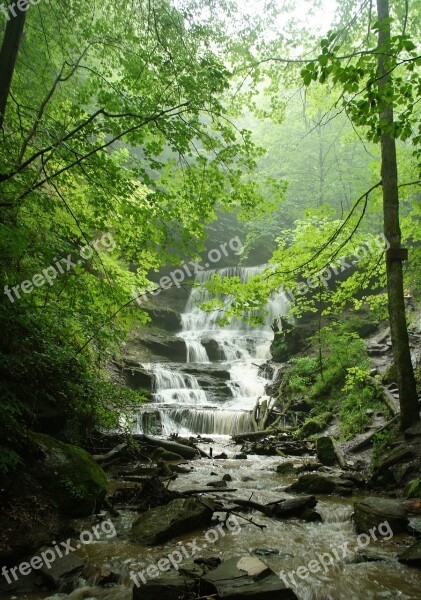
x: 360, y: 396
x: 314, y: 425
x: 381, y: 442
x: 118, y: 145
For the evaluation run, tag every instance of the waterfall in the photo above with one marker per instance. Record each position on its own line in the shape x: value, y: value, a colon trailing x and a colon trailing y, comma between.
x: 180, y: 404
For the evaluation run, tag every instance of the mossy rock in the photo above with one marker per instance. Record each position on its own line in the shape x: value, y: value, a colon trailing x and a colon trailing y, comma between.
x: 325, y: 450
x: 414, y: 489
x: 315, y: 424
x: 69, y: 475
x: 286, y: 468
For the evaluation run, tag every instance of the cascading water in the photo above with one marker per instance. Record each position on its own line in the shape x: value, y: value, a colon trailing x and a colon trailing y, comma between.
x: 181, y: 404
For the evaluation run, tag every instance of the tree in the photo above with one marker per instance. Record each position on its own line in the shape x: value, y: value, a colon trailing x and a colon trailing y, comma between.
x: 371, y: 75
x: 376, y: 87
x: 408, y: 396
x: 117, y: 149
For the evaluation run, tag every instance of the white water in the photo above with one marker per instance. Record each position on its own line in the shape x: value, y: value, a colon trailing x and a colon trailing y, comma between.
x: 241, y: 350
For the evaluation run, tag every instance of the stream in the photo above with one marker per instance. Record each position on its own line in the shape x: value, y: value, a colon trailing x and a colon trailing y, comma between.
x: 212, y: 395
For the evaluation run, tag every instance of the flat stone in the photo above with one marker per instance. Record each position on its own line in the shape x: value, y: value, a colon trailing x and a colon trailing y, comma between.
x: 372, y: 511
x: 231, y: 583
x: 252, y: 566
x: 165, y: 589
x: 68, y: 566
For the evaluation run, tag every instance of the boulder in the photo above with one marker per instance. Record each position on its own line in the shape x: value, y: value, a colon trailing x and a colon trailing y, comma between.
x: 212, y: 348
x: 64, y: 571
x: 300, y: 507
x: 163, y: 523
x: 71, y: 478
x: 165, y: 589
x: 325, y: 450
x: 136, y: 378
x: 286, y: 468
x: 385, y: 473
x: 412, y: 555
x: 313, y: 483
x: 245, y: 577
x: 168, y: 346
x: 164, y: 318
x: 372, y: 511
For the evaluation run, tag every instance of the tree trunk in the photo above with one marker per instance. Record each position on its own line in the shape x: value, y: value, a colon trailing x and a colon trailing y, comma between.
x: 400, y: 342
x: 8, y: 54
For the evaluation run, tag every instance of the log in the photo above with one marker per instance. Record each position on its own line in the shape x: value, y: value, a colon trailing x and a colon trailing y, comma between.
x: 251, y: 435
x: 207, y: 491
x: 366, y: 442
x: 181, y: 449
x: 102, y: 458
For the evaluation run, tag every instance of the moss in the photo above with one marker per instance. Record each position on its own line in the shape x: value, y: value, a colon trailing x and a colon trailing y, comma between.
x: 74, y: 481
x: 315, y: 424
x: 325, y: 450
x: 414, y: 489
x: 390, y: 375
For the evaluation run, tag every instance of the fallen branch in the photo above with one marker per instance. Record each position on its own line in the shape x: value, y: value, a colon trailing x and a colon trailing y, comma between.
x: 208, y: 490
x: 115, y: 452
x: 366, y: 442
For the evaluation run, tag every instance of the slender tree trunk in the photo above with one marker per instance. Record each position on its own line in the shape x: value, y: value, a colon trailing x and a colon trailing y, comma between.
x: 398, y: 326
x: 8, y: 54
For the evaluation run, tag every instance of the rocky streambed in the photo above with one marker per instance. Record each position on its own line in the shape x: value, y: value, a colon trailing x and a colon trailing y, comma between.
x: 239, y: 525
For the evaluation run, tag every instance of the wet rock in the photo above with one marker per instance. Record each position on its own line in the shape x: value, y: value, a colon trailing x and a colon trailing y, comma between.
x: 165, y: 318
x: 164, y: 345
x: 62, y: 572
x: 373, y: 555
x: 245, y: 577
x: 107, y: 578
x: 311, y: 467
x: 300, y: 508
x: 135, y: 377
x: 412, y: 555
x: 240, y: 456
x: 286, y: 468
x: 384, y: 474
x: 163, y: 523
x: 166, y: 589
x: 217, y: 484
x: 227, y: 477
x: 325, y: 451
x: 192, y: 569
x: 246, y: 478
x: 221, y: 456
x: 321, y: 484
x: 212, y: 349
x: 265, y: 552
x: 372, y: 511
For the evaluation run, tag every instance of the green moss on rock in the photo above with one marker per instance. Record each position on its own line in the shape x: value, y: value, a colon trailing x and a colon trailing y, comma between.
x: 73, y: 480
x: 414, y: 489
x: 315, y: 424
x: 325, y: 450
